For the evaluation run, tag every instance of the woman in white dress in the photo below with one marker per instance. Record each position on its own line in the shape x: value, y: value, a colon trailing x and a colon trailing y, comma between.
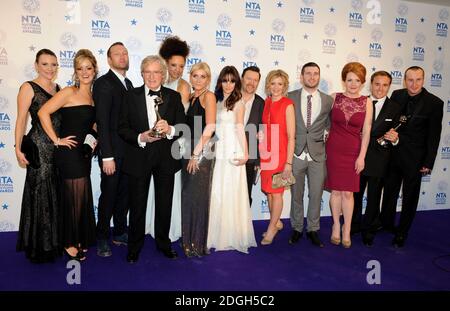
x: 230, y: 219
x: 174, y: 51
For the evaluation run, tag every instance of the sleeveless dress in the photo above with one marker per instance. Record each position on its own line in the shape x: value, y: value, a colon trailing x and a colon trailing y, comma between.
x: 77, y: 208
x: 196, y: 189
x: 175, y: 219
x: 273, y: 150
x: 344, y: 142
x: 38, y: 229
x: 230, y: 219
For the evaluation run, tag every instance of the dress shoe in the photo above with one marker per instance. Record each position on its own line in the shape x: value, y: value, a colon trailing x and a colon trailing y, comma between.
x: 120, y: 239
x: 367, y: 241
x: 399, y: 241
x: 103, y: 249
x: 132, y: 257
x: 295, y: 237
x: 314, y: 237
x: 169, y: 253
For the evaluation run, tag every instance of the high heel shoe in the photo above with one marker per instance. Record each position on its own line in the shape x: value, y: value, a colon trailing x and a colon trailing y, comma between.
x: 346, y: 244
x: 335, y: 241
x: 266, y: 241
x: 279, y: 227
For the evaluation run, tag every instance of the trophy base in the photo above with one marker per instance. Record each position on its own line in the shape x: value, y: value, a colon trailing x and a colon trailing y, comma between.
x: 157, y: 134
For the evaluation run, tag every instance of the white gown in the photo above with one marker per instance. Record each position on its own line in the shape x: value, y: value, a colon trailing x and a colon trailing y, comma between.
x: 230, y: 219
x: 175, y: 222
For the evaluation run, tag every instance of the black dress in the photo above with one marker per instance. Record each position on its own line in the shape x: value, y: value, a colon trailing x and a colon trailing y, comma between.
x: 195, y: 192
x: 77, y: 208
x: 38, y: 229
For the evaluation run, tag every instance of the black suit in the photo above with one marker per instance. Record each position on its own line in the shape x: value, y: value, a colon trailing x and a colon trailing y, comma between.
x: 155, y: 159
x: 417, y: 148
x: 376, y: 163
x: 108, y: 93
x: 255, y: 119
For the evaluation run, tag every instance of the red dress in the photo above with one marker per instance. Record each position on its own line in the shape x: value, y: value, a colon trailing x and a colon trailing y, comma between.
x: 273, y: 149
x: 344, y: 142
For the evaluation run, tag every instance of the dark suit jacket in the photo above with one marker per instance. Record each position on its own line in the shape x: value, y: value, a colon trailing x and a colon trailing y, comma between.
x: 108, y: 93
x: 134, y: 120
x: 255, y: 118
x: 377, y: 157
x: 419, y: 138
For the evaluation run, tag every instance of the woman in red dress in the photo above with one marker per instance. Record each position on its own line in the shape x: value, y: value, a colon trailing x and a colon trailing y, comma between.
x: 346, y: 148
x: 276, y: 145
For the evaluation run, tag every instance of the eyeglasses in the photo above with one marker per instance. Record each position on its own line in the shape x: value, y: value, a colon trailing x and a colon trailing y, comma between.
x: 150, y: 73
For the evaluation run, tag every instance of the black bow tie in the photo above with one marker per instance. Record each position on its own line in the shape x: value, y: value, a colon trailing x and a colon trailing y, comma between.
x: 156, y: 93
x: 375, y: 102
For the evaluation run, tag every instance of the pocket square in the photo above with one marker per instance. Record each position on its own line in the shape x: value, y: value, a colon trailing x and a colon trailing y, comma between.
x: 388, y: 120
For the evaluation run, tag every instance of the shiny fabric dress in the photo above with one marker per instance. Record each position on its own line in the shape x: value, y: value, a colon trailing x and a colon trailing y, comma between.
x: 344, y: 142
x: 38, y: 229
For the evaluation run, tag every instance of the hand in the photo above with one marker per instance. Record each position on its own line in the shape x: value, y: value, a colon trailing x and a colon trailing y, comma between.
x: 162, y: 126
x: 392, y: 136
x: 287, y: 171
x: 425, y: 171
x: 146, y: 138
x: 192, y: 166
x: 21, y: 159
x: 359, y: 165
x: 109, y: 167
x: 240, y: 161
x: 68, y: 141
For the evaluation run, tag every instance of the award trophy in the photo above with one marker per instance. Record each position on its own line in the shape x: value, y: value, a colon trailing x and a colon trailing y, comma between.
x: 385, y: 143
x: 154, y: 132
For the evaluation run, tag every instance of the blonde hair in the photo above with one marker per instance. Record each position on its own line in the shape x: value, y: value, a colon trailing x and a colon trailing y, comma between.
x: 79, y: 57
x: 155, y: 59
x: 278, y: 73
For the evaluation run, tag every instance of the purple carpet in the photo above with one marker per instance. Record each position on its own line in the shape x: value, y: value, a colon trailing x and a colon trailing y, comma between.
x: 423, y: 264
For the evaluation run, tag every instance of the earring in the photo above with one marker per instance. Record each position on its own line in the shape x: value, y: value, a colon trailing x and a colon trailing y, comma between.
x: 77, y: 82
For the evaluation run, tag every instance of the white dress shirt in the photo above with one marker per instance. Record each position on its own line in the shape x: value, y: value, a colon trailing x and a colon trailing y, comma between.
x: 378, y: 105
x: 248, y: 107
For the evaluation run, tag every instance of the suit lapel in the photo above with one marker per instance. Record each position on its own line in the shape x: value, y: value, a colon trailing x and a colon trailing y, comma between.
x: 380, y: 118
x: 253, y: 113
x: 298, y: 105
x: 113, y: 77
x: 142, y: 106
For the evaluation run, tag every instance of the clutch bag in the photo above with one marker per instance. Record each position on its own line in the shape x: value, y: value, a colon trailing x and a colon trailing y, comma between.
x: 278, y: 181
x: 31, y: 151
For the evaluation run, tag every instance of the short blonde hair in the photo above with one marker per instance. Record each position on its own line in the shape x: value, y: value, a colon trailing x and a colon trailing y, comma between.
x: 81, y: 55
x: 202, y: 66
x: 155, y: 59
x: 278, y: 73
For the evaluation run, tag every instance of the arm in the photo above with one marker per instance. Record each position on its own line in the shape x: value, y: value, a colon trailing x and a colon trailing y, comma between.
x: 103, y: 98
x: 434, y: 135
x: 359, y: 164
x: 24, y: 99
x: 290, y: 126
x: 210, y: 114
x: 240, y: 131
x: 184, y: 90
x: 52, y: 105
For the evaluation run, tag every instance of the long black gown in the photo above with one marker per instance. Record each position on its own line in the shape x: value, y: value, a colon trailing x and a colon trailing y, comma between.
x: 38, y: 230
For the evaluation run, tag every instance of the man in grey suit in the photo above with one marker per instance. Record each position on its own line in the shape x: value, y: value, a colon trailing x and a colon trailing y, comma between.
x: 312, y: 119
x: 254, y: 106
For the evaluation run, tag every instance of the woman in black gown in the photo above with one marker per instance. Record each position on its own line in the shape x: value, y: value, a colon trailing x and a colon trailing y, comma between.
x: 38, y: 229
x: 196, y: 173
x: 76, y: 107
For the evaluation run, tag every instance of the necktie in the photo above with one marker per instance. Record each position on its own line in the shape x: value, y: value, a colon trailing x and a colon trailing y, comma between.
x: 308, y: 111
x: 128, y: 84
x: 374, y: 102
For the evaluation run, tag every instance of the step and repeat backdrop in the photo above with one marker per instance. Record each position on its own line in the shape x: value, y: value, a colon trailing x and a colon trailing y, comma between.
x: 285, y: 34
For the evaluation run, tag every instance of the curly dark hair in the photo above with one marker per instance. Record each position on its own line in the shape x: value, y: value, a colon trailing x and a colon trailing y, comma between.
x: 229, y: 73
x: 173, y: 45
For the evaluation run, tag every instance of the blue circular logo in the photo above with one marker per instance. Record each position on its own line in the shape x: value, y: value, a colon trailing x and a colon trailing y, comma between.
x: 438, y: 65
x: 100, y: 9
x: 278, y: 25
x: 68, y: 40
x: 31, y: 6
x: 397, y: 62
x: 133, y: 44
x: 195, y: 48
x: 442, y: 186
x: 5, y: 167
x: 402, y: 9
x: 376, y: 34
x: 325, y: 86
x: 357, y: 5
x: 164, y: 15
x: 352, y: 57
x: 3, y: 103
x: 224, y: 21
x: 443, y: 14
x: 30, y: 72
x: 420, y: 38
x: 251, y: 52
x: 2, y: 36
x: 447, y: 140
x: 308, y: 2
x: 6, y: 226
x: 303, y: 56
x: 330, y: 30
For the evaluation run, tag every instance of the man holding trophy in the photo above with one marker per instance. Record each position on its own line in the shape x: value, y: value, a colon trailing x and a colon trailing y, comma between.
x: 147, y: 118
x: 415, y: 154
x: 386, y: 115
